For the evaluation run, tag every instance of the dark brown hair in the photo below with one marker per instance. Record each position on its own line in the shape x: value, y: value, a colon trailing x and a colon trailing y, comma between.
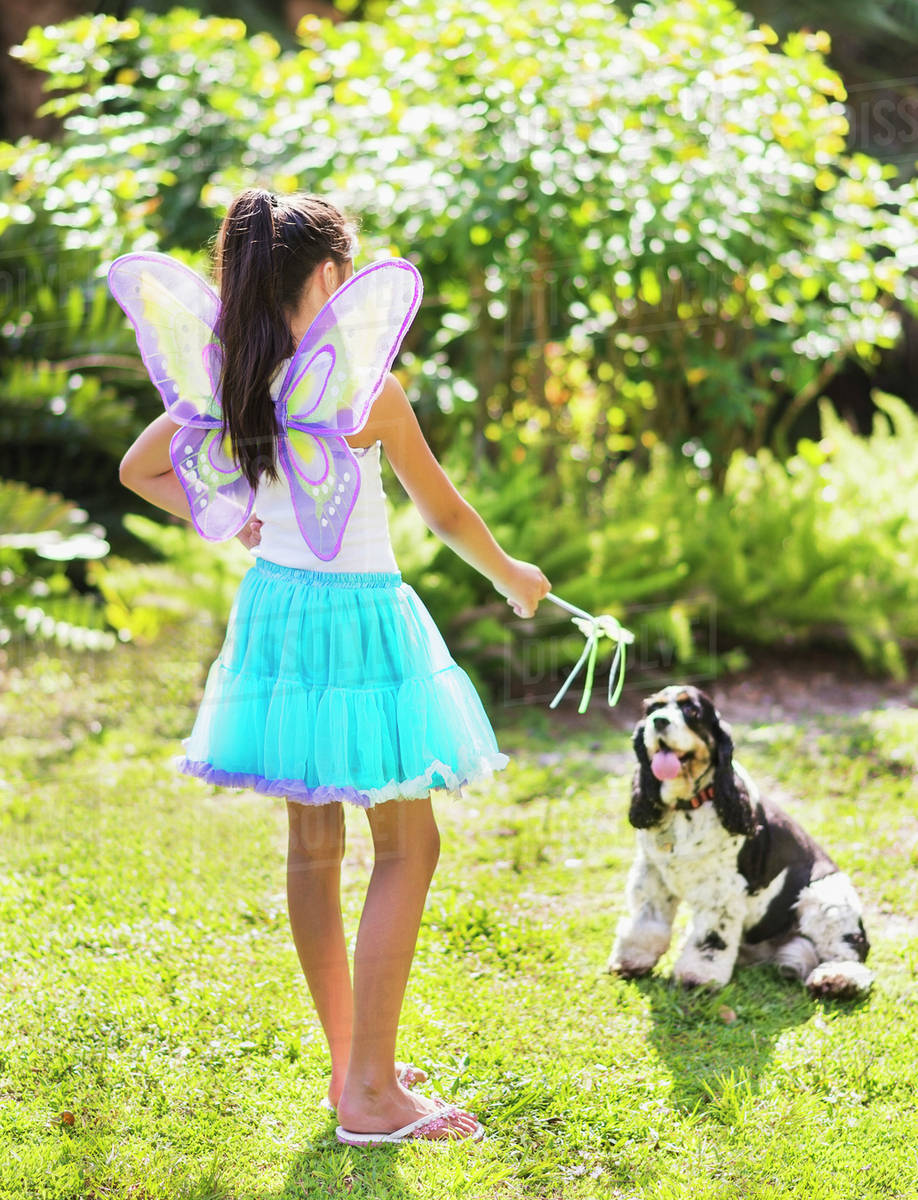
x: 267, y: 248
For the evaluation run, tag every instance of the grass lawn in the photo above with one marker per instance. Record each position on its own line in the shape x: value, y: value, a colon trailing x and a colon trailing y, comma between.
x: 157, y: 1038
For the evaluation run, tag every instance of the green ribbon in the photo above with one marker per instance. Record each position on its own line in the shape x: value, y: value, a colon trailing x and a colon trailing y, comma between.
x: 595, y: 629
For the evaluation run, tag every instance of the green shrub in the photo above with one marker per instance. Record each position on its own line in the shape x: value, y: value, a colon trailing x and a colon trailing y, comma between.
x: 826, y: 545
x: 632, y: 229
x: 643, y: 244
x: 820, y: 549
x: 635, y: 230
x: 42, y: 533
x: 191, y: 583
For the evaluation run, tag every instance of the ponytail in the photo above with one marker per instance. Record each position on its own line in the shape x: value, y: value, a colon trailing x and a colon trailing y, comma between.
x: 266, y: 250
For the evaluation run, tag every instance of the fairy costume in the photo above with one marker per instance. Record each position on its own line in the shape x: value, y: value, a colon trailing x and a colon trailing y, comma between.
x: 333, y: 682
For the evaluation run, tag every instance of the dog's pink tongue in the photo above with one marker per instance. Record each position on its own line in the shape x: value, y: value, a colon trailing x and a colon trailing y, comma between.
x: 665, y: 764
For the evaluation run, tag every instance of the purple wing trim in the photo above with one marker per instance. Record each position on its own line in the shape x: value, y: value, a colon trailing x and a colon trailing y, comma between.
x: 353, y: 326
x: 174, y: 313
x: 213, y: 365
x: 218, y: 493
x: 319, y: 365
x: 309, y: 474
x: 322, y: 510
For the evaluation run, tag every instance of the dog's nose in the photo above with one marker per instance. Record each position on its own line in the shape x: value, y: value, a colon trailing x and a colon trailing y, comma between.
x: 660, y: 722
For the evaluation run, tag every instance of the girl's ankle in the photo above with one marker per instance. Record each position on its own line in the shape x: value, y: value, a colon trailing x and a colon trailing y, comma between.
x: 371, y: 1086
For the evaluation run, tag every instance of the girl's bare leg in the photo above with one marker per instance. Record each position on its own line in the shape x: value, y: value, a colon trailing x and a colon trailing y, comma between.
x: 315, y: 848
x: 407, y: 845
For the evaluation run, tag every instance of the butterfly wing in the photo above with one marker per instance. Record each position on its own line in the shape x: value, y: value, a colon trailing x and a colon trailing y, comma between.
x: 337, y: 372
x: 342, y: 361
x: 219, y: 494
x: 174, y: 314
x: 324, y: 479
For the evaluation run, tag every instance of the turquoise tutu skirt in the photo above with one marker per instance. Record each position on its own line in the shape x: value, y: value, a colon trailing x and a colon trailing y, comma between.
x: 336, y: 686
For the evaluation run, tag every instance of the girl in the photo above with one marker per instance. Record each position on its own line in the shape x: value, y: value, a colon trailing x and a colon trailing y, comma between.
x: 333, y: 684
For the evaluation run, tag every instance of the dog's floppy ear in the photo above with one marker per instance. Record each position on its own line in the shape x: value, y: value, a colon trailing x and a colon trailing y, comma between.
x: 646, y: 805
x: 731, y: 800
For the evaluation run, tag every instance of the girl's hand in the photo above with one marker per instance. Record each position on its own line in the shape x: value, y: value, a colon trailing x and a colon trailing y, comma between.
x: 524, y: 586
x: 250, y: 533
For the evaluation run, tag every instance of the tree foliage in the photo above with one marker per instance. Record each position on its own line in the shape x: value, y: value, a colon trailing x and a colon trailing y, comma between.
x: 39, y: 533
x: 636, y: 231
x: 632, y: 230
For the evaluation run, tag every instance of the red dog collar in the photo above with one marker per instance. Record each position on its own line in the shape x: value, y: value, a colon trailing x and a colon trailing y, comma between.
x: 698, y: 799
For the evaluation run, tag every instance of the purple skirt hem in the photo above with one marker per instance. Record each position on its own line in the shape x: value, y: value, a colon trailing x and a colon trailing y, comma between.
x: 438, y: 775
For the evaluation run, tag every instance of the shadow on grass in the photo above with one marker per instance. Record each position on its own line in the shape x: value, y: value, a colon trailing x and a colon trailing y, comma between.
x: 708, y: 1040
x: 323, y: 1167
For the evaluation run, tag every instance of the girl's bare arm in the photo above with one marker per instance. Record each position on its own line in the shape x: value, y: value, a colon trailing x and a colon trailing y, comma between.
x: 452, y: 519
x: 147, y: 469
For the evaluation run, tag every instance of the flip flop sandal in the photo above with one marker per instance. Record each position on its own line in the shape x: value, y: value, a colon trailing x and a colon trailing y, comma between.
x: 424, y: 1129
x: 407, y: 1075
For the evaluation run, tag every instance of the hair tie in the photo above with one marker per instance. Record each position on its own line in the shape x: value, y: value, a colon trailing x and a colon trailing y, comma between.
x: 273, y: 199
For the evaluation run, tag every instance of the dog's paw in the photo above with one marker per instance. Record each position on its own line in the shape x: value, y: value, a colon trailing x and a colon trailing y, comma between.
x: 631, y: 967
x: 637, y: 948
x: 692, y: 980
x: 699, y: 968
x: 840, y: 981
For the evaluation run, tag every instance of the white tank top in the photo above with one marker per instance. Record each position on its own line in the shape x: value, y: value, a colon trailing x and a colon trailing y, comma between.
x: 365, y: 546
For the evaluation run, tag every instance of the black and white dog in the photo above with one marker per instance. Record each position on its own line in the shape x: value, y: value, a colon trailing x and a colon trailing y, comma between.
x: 760, y: 889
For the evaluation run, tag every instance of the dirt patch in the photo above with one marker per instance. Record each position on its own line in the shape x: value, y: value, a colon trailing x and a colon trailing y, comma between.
x: 796, y: 687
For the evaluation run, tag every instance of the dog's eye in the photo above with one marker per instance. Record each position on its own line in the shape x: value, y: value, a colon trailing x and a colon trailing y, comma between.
x: 691, y: 710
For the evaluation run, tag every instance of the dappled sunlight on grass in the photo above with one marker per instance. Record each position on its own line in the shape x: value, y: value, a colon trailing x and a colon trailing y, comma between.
x: 158, y: 1038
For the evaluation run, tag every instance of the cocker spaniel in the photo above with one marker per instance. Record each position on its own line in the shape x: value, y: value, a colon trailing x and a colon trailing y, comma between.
x: 761, y: 890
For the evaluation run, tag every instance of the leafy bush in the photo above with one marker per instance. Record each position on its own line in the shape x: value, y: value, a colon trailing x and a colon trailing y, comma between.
x: 73, y: 391
x: 825, y: 545
x: 818, y: 548
x: 643, y: 243
x: 43, y: 532
x: 874, y: 46
x: 821, y: 548
x: 636, y: 230
x: 193, y: 582
x: 632, y: 230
